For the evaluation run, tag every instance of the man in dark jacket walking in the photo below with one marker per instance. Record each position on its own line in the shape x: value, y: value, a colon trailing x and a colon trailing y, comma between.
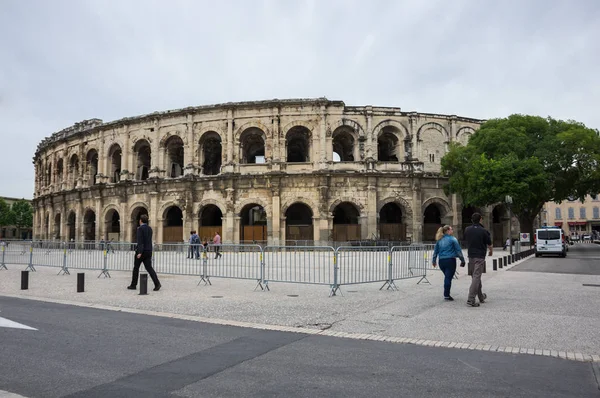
x: 478, y: 241
x: 143, y: 254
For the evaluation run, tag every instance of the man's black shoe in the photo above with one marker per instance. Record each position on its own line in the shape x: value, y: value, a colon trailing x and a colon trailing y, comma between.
x: 157, y: 288
x: 449, y: 298
x: 484, y: 298
x: 131, y: 287
x: 472, y: 304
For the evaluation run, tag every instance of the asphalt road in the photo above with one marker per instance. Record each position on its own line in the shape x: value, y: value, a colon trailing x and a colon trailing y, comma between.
x: 582, y: 258
x: 84, y: 352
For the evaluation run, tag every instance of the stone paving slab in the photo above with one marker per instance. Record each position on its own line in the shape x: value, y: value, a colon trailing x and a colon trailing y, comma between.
x: 526, y: 312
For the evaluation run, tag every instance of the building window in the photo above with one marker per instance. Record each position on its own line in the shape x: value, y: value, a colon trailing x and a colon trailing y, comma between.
x: 558, y: 215
x: 571, y: 213
x: 596, y: 212
x: 582, y: 212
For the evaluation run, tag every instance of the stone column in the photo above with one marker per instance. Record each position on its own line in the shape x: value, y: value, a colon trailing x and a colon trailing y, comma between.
x: 155, y: 157
x: 412, y: 129
x: 455, y: 219
x: 417, y: 211
x: 79, y: 226
x: 323, y: 138
x: 282, y: 232
x: 452, y: 131
x: 189, y: 148
x: 316, y: 228
x: 369, y: 132
x: 228, y: 227
x: 236, y: 227
x: 63, y: 222
x: 99, y: 231
x: 154, y: 217
x: 230, y: 144
x: 371, y: 208
x: 275, y: 216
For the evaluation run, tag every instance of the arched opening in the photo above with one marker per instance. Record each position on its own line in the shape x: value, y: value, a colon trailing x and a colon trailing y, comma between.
x: 114, y: 156
x: 254, y: 223
x: 391, y: 226
x: 57, y: 220
x: 46, y: 227
x: 210, y: 221
x: 499, y: 225
x: 211, y: 153
x: 298, y: 145
x: 143, y: 155
x: 299, y: 222
x: 173, y: 225
x: 252, y: 146
x: 174, y: 157
x: 71, y: 224
x: 112, y: 221
x: 92, y: 166
x: 89, y: 225
x: 346, y: 226
x: 388, y: 145
x: 432, y: 221
x: 60, y: 170
x: 343, y: 145
x: 49, y: 176
x: 74, y: 170
x: 135, y: 220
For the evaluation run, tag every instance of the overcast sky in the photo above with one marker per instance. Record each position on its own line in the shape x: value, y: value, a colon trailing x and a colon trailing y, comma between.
x: 65, y: 61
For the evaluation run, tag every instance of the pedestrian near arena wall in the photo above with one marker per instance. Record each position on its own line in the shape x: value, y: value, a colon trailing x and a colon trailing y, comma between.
x: 143, y: 254
x: 447, y: 249
x: 478, y: 242
x: 217, y: 243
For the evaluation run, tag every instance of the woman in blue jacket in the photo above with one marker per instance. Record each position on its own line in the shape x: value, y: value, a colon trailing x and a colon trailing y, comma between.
x: 447, y: 249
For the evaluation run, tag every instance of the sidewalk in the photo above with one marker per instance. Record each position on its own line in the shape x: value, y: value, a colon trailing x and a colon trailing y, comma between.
x: 536, y: 313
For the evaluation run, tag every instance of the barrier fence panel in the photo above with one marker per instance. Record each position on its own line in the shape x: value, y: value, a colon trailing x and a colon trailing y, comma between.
x: 82, y: 256
x: 50, y: 254
x: 404, y: 263
x: 173, y: 258
x: 363, y: 264
x: 419, y: 261
x: 17, y: 253
x: 233, y: 261
x: 300, y: 264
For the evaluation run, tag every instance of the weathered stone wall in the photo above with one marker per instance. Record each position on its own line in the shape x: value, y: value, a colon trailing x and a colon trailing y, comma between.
x: 68, y: 181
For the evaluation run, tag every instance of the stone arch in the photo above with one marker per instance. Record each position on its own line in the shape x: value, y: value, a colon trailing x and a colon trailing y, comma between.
x: 163, y: 209
x: 345, y: 143
x: 113, y: 222
x: 311, y: 204
x: 214, y: 202
x: 299, y: 221
x: 173, y: 147
x: 57, y: 220
x: 240, y: 205
x: 355, y: 202
x: 348, y: 123
x: 433, y: 126
x: 464, y: 134
x: 298, y: 144
x: 169, y: 135
x: 71, y: 225
x: 393, y: 123
x: 447, y: 210
x: 89, y: 224
x: 252, y: 145
x: 395, y: 231
x: 210, y: 152
x: 134, y: 213
x: 91, y: 161
x: 137, y: 205
x: 310, y: 125
x: 142, y: 152
x: 210, y: 219
x: 347, y: 220
x: 115, y: 162
x: 173, y: 220
x: 252, y: 124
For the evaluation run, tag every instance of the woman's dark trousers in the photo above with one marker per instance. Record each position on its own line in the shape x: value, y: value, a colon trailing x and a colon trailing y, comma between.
x: 448, y: 267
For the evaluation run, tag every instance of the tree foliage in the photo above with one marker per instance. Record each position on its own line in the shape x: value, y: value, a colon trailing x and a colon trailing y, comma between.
x: 532, y: 159
x: 22, y: 214
x: 6, y: 214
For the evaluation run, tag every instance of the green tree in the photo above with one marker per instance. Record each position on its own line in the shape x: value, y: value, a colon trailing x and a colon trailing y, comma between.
x: 532, y: 159
x: 22, y: 214
x: 6, y: 214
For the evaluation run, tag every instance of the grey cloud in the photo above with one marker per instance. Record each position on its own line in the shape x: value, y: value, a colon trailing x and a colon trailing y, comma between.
x: 64, y: 61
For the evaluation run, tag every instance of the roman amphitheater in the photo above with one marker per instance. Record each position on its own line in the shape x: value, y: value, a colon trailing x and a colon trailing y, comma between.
x: 279, y: 171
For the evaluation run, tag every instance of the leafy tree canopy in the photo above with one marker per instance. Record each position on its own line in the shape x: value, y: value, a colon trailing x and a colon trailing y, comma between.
x: 532, y: 159
x: 6, y: 214
x: 23, y: 214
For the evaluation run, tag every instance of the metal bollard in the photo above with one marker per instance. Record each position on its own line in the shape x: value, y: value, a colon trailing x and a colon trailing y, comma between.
x: 509, y: 259
x: 495, y: 265
x: 24, y: 280
x: 143, y: 284
x: 80, y: 282
x: 500, y: 262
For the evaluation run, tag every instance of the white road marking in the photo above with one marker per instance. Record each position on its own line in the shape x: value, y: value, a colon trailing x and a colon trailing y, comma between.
x: 7, y: 323
x: 6, y: 394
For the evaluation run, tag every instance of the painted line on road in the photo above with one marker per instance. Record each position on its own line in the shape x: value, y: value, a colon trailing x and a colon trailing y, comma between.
x: 573, y: 356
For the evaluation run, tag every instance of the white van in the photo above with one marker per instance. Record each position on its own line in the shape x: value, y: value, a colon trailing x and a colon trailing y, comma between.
x: 550, y: 240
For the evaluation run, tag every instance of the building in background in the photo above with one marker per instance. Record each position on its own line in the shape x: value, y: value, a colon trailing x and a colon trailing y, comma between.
x: 12, y: 231
x: 574, y: 217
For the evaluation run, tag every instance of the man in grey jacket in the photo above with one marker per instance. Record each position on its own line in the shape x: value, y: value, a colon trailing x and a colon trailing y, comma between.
x: 478, y: 242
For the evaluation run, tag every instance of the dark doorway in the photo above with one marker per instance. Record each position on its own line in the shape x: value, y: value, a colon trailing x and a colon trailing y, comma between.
x: 89, y: 226
x: 432, y: 221
x: 71, y: 224
x: 173, y: 225
x: 391, y: 225
x: 346, y: 225
x: 254, y: 223
x: 299, y: 222
x: 211, y: 221
x: 135, y: 221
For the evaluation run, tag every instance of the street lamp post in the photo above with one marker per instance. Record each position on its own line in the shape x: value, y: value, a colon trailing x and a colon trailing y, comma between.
x: 508, y: 200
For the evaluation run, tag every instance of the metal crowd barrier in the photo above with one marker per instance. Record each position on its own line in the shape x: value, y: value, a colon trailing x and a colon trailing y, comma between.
x: 316, y: 265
